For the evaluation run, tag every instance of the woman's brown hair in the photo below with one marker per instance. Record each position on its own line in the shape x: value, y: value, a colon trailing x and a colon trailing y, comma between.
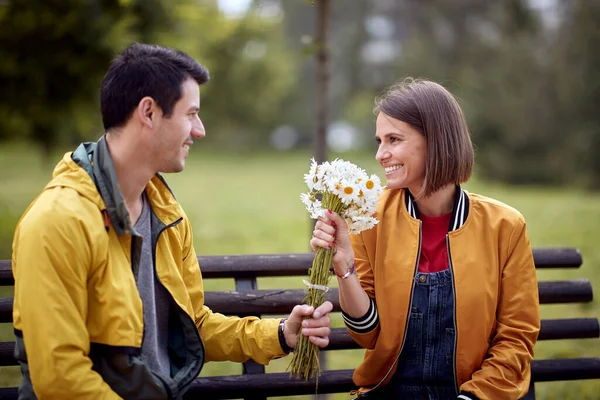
x: 433, y: 111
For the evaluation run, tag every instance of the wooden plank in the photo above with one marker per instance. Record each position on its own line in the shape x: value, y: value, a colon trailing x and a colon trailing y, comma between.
x: 9, y: 393
x: 256, y: 265
x: 257, y: 302
x: 281, y: 384
x: 563, y: 292
x: 551, y: 329
x: 558, y: 257
x: 273, y: 384
x: 7, y: 354
x: 565, y: 369
x: 569, y: 328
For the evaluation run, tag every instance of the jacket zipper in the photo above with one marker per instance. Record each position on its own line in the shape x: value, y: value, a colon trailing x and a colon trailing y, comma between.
x: 453, y: 314
x: 412, y: 289
x: 189, y: 380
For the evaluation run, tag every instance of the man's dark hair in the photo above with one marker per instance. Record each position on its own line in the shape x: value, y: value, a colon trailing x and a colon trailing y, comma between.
x: 145, y: 70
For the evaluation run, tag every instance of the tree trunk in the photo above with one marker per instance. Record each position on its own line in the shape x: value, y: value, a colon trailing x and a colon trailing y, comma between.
x: 323, y: 77
x: 322, y: 101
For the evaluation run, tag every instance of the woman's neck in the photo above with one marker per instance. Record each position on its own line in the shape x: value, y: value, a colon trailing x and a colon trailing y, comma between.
x: 438, y: 203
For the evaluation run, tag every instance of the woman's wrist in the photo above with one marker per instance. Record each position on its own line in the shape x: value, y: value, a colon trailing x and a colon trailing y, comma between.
x: 344, y: 270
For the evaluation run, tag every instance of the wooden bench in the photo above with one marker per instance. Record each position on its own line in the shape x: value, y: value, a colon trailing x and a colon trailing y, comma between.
x: 247, y: 299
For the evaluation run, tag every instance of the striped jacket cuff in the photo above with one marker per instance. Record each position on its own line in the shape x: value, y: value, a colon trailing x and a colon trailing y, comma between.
x: 467, y: 396
x: 364, y: 324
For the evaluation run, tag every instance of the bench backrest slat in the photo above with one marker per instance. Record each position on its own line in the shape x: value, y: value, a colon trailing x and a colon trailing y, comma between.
x: 552, y: 329
x: 258, y: 302
x: 265, y: 265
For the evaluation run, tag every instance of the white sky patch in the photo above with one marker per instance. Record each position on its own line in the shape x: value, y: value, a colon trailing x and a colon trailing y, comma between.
x: 234, y: 8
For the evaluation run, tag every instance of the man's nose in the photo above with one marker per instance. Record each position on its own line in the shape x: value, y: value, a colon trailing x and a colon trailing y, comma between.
x: 198, y: 129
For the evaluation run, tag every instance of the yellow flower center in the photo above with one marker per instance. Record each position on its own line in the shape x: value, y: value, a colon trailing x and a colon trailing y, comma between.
x: 370, y: 185
x: 348, y: 190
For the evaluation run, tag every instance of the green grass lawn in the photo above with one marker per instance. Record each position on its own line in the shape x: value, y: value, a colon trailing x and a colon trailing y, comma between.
x: 249, y: 203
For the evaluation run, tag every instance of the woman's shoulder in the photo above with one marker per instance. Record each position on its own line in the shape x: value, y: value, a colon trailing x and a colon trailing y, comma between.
x: 493, y: 208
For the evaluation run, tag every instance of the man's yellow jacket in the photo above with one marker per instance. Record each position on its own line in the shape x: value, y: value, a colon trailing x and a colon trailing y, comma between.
x: 78, y: 315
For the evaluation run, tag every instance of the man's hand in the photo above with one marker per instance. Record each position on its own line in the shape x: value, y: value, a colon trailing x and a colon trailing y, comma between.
x: 316, y: 328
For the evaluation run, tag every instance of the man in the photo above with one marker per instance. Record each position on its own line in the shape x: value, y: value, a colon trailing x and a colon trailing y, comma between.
x: 108, y: 292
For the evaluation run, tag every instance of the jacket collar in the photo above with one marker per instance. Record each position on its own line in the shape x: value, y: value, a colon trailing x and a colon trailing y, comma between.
x: 460, y: 210
x: 96, y: 160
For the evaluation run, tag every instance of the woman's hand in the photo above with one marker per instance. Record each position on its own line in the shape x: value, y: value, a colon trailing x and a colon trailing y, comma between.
x: 331, y: 230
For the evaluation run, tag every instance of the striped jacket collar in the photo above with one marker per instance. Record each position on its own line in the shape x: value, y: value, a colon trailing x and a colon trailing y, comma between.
x: 460, y: 211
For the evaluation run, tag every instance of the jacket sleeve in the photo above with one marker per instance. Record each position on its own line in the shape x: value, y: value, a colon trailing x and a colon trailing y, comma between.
x: 364, y: 330
x: 51, y: 257
x: 505, y: 371
x: 227, y: 338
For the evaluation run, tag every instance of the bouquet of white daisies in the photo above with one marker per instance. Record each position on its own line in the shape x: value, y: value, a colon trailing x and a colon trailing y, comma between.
x: 348, y: 191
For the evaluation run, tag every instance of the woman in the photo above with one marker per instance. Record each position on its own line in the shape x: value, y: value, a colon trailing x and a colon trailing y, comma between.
x: 442, y: 292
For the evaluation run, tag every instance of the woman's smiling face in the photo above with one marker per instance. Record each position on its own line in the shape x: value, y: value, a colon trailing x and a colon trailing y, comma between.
x: 402, y: 152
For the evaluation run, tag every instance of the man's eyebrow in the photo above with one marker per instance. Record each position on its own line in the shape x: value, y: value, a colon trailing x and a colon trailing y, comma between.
x: 194, y: 109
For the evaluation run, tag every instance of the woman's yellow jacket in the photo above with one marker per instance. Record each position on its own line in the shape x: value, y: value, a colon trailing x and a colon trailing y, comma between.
x: 496, y: 309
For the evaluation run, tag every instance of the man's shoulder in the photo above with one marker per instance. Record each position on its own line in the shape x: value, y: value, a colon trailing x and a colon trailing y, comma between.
x: 60, y: 206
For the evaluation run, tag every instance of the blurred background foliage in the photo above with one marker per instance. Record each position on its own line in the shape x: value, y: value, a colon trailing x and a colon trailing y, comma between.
x: 526, y: 72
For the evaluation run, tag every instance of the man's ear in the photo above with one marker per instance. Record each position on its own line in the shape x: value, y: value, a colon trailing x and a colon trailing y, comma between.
x: 147, y: 111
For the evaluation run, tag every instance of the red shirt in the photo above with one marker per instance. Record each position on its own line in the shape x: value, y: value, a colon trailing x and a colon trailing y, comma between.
x: 434, y: 254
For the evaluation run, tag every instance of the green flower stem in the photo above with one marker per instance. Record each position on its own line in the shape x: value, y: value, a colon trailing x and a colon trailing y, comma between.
x: 305, y: 360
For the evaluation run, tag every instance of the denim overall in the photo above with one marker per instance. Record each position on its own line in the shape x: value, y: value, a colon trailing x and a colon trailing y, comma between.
x: 425, y: 366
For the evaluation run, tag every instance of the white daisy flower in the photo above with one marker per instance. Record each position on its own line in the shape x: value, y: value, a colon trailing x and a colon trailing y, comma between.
x: 348, y: 192
x: 311, y: 178
x: 345, y: 187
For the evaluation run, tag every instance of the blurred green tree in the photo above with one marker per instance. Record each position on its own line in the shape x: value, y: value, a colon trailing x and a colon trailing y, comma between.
x: 53, y: 54
x: 575, y: 77
x: 253, y: 72
x: 527, y: 79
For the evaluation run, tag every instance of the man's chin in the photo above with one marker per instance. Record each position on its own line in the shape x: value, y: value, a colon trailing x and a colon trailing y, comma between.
x: 173, y: 169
